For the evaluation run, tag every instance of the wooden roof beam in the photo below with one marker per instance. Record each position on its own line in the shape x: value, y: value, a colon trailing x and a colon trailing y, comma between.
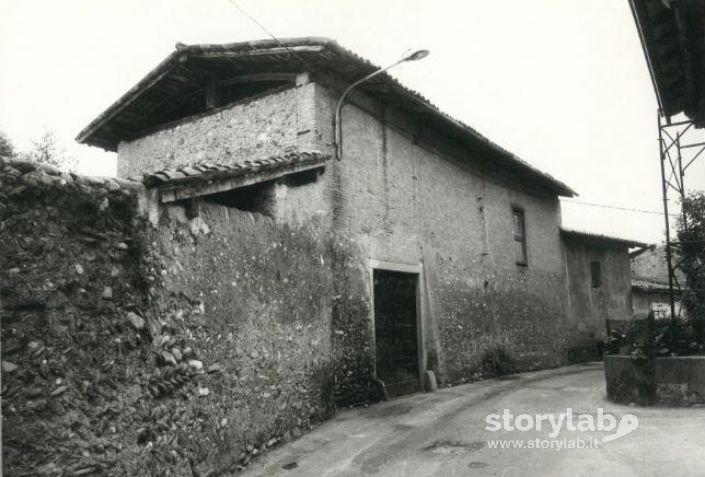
x: 259, y: 78
x: 174, y: 192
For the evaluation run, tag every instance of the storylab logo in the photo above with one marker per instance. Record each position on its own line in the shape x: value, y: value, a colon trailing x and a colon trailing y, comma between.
x: 557, y: 424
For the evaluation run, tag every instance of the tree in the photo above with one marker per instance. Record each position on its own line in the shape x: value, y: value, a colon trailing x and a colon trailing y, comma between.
x: 47, y: 149
x: 6, y: 147
x: 691, y: 235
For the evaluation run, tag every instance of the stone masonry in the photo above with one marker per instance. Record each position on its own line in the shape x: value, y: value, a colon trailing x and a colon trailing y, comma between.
x: 134, y: 350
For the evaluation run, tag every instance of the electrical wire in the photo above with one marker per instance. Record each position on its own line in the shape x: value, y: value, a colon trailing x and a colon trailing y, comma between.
x: 591, y: 204
x: 292, y: 53
x: 264, y: 29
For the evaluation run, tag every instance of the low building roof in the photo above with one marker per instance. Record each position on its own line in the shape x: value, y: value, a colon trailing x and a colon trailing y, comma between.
x: 652, y: 265
x: 672, y: 34
x: 206, y: 179
x: 646, y: 285
x: 600, y: 239
x: 186, y: 72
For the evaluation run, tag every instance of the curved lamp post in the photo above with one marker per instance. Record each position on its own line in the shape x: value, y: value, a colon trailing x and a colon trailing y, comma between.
x: 337, y: 123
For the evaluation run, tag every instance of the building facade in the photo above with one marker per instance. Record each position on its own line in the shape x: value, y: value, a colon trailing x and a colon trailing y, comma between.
x: 417, y: 200
x: 650, y: 290
x: 599, y: 280
x: 241, y: 279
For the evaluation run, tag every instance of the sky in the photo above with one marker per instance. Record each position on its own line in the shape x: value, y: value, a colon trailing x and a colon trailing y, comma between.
x: 563, y: 84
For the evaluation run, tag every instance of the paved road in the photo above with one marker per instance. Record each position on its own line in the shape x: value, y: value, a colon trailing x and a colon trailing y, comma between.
x: 443, y: 434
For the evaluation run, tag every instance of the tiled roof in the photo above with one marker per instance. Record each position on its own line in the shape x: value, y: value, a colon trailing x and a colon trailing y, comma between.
x: 588, y: 236
x: 206, y: 172
x: 672, y: 34
x: 649, y: 285
x: 172, y: 78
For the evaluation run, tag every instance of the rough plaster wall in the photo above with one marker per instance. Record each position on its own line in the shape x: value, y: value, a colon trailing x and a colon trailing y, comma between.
x: 266, y: 294
x: 590, y: 307
x: 247, y: 130
x: 404, y: 203
x: 298, y: 205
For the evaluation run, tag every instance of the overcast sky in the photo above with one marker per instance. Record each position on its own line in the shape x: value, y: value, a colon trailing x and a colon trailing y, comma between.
x: 561, y: 83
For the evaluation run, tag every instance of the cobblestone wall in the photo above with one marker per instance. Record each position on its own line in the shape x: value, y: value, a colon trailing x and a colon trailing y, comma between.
x: 132, y: 350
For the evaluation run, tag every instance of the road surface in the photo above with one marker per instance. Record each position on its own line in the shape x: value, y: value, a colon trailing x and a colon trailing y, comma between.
x: 444, y: 434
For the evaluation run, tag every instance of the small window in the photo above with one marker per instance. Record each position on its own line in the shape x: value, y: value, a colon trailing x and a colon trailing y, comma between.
x: 519, y: 225
x: 596, y: 274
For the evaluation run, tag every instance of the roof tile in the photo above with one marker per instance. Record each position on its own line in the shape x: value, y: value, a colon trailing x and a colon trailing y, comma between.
x: 581, y: 235
x: 323, y: 54
x: 206, y: 171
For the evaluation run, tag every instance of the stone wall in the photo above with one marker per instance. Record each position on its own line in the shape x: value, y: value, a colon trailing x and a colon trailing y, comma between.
x: 75, y: 293
x: 133, y: 350
x: 666, y: 381
x: 253, y: 128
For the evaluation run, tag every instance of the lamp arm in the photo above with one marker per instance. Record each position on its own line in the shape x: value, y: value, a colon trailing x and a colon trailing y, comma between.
x: 337, y: 126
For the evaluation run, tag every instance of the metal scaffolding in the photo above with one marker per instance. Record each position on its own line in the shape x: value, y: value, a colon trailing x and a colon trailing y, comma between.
x: 681, y: 144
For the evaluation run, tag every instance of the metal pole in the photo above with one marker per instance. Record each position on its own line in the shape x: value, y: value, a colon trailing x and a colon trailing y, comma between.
x: 337, y: 120
x: 664, y: 191
x: 681, y: 174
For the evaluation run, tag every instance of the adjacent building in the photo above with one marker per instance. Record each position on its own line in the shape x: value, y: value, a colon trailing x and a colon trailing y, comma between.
x: 599, y: 280
x: 650, y: 289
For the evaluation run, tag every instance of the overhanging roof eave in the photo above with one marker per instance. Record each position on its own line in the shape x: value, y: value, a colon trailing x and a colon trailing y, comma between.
x: 301, y: 47
x: 593, y: 237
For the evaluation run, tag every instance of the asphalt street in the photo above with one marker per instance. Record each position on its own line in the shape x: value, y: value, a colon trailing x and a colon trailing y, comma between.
x: 449, y: 433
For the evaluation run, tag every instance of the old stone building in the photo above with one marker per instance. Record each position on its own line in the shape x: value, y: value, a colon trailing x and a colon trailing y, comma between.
x: 650, y: 290
x: 599, y: 280
x: 452, y: 245
x: 244, y: 279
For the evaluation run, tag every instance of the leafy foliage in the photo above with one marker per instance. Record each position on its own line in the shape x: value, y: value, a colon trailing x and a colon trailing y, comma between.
x: 691, y: 235
x: 47, y: 149
x: 648, y: 337
x: 6, y: 147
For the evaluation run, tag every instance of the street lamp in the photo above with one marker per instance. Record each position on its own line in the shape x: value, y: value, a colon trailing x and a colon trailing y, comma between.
x: 337, y: 123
